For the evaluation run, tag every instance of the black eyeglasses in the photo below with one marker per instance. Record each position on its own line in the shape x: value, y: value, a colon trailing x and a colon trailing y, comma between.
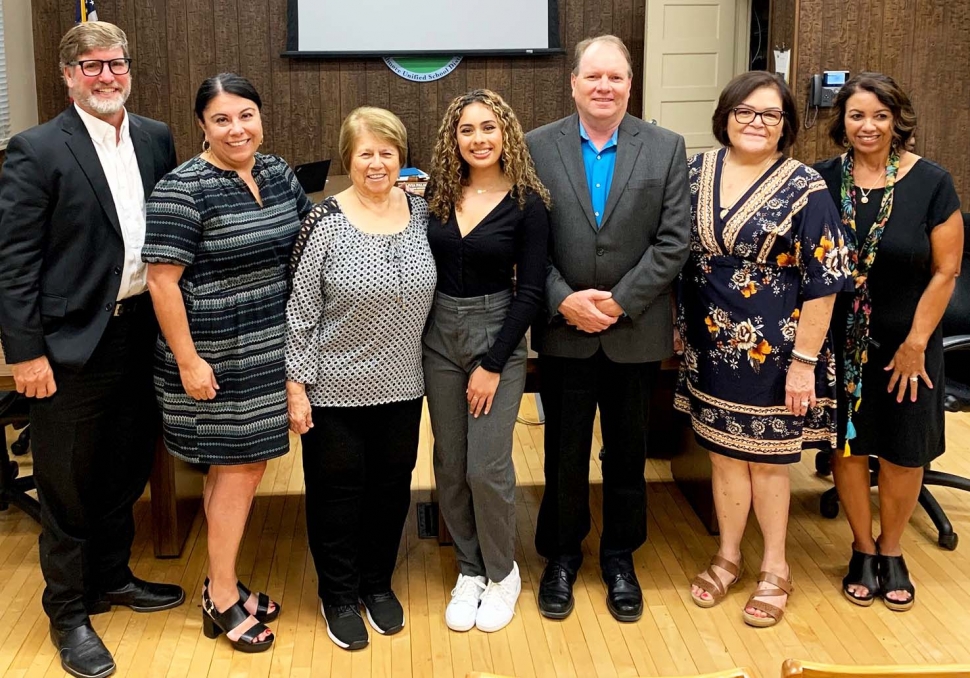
x: 94, y: 67
x: 771, y: 117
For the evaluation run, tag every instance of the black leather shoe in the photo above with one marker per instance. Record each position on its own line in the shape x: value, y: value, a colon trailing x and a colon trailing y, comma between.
x: 140, y: 596
x: 624, y: 597
x: 556, y: 591
x: 82, y: 652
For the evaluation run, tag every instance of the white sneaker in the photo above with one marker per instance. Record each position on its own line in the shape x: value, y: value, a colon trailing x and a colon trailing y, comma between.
x: 465, y: 597
x: 498, y: 602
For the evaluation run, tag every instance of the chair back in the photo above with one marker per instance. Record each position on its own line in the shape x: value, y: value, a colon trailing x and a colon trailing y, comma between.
x: 795, y: 667
x: 956, y: 319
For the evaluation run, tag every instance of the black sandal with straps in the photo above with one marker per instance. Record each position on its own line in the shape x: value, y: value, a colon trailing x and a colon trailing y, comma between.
x: 894, y: 576
x: 215, y: 623
x: 263, y: 601
x: 263, y: 613
x: 863, y: 571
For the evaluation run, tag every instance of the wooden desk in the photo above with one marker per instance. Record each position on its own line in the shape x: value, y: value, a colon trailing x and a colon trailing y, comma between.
x: 335, y: 185
x: 6, y: 375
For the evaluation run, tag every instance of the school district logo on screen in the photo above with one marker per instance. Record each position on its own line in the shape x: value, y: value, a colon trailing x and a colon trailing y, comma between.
x: 422, y: 69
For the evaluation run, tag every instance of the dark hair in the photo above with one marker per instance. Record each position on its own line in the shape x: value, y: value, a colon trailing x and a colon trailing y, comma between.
x: 736, y: 91
x: 224, y: 82
x: 889, y: 94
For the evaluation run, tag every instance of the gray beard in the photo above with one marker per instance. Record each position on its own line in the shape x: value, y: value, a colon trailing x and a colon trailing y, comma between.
x: 105, y: 107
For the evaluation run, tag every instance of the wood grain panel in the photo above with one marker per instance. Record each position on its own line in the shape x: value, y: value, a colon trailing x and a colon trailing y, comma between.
x: 328, y: 124
x: 225, y: 25
x: 278, y: 137
x: 809, y: 52
x: 150, y: 73
x: 307, y: 143
x: 954, y: 156
x: 523, y: 92
x: 928, y: 82
x: 923, y: 43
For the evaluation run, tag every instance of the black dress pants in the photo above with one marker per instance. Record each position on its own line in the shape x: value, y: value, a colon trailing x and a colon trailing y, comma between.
x: 571, y: 389
x: 357, y: 464
x: 93, y: 444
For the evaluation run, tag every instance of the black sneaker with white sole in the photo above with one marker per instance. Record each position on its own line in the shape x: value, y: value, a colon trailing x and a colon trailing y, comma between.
x: 344, y: 626
x: 384, y: 612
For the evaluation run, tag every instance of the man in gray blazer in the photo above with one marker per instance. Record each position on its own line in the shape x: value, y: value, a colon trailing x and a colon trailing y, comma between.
x: 619, y: 231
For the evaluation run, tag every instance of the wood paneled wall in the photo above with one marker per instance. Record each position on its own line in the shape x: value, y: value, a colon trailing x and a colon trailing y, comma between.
x: 923, y: 44
x: 178, y: 43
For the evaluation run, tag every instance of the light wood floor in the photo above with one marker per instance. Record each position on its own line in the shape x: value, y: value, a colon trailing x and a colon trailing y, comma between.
x: 673, y: 637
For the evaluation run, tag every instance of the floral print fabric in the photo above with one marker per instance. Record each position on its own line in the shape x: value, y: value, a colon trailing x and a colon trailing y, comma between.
x: 739, y: 302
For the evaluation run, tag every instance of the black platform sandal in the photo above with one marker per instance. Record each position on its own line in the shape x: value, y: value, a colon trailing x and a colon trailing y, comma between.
x: 894, y: 576
x: 263, y: 601
x: 863, y: 571
x: 215, y: 623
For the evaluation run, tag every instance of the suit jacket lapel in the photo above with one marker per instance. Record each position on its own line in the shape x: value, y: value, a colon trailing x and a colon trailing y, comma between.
x: 81, y: 146
x: 143, y: 153
x: 628, y: 146
x: 571, y: 152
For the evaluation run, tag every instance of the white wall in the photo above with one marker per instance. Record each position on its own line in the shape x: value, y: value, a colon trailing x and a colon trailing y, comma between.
x: 19, y: 45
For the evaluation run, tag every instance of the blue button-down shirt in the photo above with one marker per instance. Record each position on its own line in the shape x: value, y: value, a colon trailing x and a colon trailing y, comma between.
x: 599, y: 163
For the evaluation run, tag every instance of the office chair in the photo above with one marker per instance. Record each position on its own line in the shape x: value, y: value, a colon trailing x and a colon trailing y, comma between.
x: 956, y: 339
x: 13, y: 490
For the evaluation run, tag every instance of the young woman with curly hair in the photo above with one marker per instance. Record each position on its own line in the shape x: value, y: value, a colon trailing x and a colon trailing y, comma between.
x: 488, y: 233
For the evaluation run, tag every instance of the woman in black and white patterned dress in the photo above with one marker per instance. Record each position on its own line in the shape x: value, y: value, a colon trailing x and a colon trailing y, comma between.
x: 363, y: 282
x: 219, y: 231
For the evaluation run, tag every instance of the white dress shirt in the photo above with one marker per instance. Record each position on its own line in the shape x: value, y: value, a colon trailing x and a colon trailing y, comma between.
x: 124, y: 179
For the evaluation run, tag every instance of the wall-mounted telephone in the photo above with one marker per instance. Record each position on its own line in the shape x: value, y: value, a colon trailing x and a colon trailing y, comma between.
x: 822, y: 90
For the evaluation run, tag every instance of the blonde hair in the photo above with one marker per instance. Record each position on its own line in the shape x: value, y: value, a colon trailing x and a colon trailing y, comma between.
x: 380, y: 122
x: 449, y: 171
x: 584, y: 45
x: 89, y: 36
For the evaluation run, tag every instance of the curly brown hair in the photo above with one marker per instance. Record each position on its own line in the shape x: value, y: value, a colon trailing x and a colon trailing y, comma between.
x: 449, y: 171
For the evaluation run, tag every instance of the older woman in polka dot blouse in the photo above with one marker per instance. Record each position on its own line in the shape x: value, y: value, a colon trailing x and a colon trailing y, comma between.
x: 363, y: 283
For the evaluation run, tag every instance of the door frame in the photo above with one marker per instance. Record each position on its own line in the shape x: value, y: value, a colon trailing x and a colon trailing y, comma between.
x: 742, y: 36
x: 742, y: 43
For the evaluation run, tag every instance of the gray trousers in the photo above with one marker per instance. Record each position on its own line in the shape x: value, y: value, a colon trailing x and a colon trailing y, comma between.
x: 473, y: 467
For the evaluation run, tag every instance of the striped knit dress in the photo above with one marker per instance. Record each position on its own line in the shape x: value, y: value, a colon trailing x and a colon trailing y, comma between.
x: 235, y: 288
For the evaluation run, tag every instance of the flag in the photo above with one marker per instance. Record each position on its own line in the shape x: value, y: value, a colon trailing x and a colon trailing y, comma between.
x: 85, y: 11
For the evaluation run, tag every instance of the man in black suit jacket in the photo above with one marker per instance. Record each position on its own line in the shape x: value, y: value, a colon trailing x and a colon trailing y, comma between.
x: 78, y: 330
x: 619, y: 229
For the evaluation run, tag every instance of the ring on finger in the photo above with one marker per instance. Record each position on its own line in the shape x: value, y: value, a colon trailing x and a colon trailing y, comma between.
x: 914, y: 379
x: 804, y: 403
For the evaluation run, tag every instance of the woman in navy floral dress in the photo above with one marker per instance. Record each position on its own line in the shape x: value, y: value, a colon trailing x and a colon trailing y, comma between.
x: 754, y: 303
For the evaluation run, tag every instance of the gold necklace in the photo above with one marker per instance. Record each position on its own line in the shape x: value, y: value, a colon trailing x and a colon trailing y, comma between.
x: 865, y: 194
x: 764, y: 166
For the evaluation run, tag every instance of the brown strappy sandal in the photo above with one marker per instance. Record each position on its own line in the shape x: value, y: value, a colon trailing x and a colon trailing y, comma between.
x: 784, y: 588
x: 714, y: 587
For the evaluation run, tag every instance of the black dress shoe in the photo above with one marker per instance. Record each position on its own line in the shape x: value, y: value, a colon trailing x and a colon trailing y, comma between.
x: 82, y: 652
x: 556, y: 591
x: 624, y: 597
x: 140, y: 596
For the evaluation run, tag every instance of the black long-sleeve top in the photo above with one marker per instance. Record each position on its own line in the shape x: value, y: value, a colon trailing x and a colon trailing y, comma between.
x: 508, y: 244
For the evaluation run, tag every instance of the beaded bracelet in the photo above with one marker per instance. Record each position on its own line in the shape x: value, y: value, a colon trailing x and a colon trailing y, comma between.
x: 795, y: 355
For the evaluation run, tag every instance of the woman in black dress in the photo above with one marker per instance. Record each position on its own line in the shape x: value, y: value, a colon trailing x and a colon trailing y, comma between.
x: 902, y: 214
